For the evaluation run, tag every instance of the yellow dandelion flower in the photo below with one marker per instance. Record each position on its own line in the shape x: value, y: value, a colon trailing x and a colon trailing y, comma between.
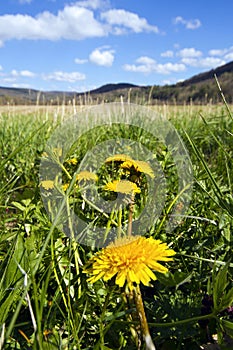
x: 118, y: 158
x: 47, y: 184
x: 139, y: 166
x: 131, y: 259
x: 72, y: 161
x: 122, y: 186
x: 86, y: 175
x: 65, y: 186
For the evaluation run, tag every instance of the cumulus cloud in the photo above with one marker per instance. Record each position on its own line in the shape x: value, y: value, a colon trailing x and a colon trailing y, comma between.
x: 226, y: 53
x: 122, y: 18
x: 147, y: 61
x: 102, y: 57
x: 14, y: 76
x: 217, y: 52
x: 189, y: 52
x: 229, y: 56
x: 216, y: 57
x: 75, y: 21
x: 205, y: 62
x: 23, y: 73
x: 148, y: 65
x: 167, y: 53
x: 189, y: 24
x: 70, y: 77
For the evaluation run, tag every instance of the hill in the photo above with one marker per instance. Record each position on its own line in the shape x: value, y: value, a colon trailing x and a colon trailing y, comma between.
x: 199, y: 89
x: 226, y: 68
x: 112, y: 87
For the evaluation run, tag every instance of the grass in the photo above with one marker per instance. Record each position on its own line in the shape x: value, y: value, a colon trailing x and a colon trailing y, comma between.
x: 45, y: 300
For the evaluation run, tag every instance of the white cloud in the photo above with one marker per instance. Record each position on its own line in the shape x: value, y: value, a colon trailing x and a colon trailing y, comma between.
x: 22, y: 73
x: 80, y: 60
x: 27, y: 73
x: 226, y: 53
x: 70, y: 77
x: 102, y: 57
x: 189, y: 61
x: 189, y: 52
x: 128, y: 20
x: 146, y: 60
x: 73, y: 22
x: 148, y: 65
x: 167, y: 53
x: 217, y: 52
x: 229, y: 56
x: 211, y: 62
x: 170, y: 67
x: 1, y: 68
x: 189, y: 24
x: 207, y: 62
x: 9, y: 80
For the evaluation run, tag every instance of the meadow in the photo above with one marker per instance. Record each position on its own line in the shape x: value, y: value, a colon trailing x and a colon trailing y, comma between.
x: 46, y: 299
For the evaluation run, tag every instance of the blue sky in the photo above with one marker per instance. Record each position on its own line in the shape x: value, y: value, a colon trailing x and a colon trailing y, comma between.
x: 81, y: 45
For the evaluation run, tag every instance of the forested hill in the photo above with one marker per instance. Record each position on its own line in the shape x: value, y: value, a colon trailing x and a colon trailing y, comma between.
x: 201, y: 88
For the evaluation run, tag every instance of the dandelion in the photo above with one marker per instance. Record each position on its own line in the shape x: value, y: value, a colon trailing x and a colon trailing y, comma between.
x: 139, y: 166
x: 122, y: 186
x: 131, y: 259
x: 118, y: 158
x: 72, y: 161
x: 65, y: 186
x: 47, y: 184
x: 86, y: 175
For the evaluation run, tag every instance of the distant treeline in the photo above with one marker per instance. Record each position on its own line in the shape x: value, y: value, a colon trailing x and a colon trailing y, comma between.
x: 200, y: 89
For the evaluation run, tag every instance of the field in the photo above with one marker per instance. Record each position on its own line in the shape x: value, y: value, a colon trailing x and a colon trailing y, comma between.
x: 47, y: 298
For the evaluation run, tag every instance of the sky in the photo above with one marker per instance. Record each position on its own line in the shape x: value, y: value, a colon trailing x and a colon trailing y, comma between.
x: 81, y: 45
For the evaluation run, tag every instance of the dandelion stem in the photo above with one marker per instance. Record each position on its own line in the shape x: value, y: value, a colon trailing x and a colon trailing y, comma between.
x: 130, y: 217
x: 143, y: 321
x: 119, y: 222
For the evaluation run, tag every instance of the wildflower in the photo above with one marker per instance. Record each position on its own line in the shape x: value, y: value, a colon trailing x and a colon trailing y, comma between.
x: 86, y: 175
x: 118, y: 158
x: 139, y: 166
x: 122, y: 186
x: 72, y: 161
x: 65, y: 186
x: 47, y: 184
x: 131, y: 259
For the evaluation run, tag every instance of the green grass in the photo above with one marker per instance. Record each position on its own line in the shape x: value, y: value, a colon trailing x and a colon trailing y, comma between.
x: 45, y: 300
